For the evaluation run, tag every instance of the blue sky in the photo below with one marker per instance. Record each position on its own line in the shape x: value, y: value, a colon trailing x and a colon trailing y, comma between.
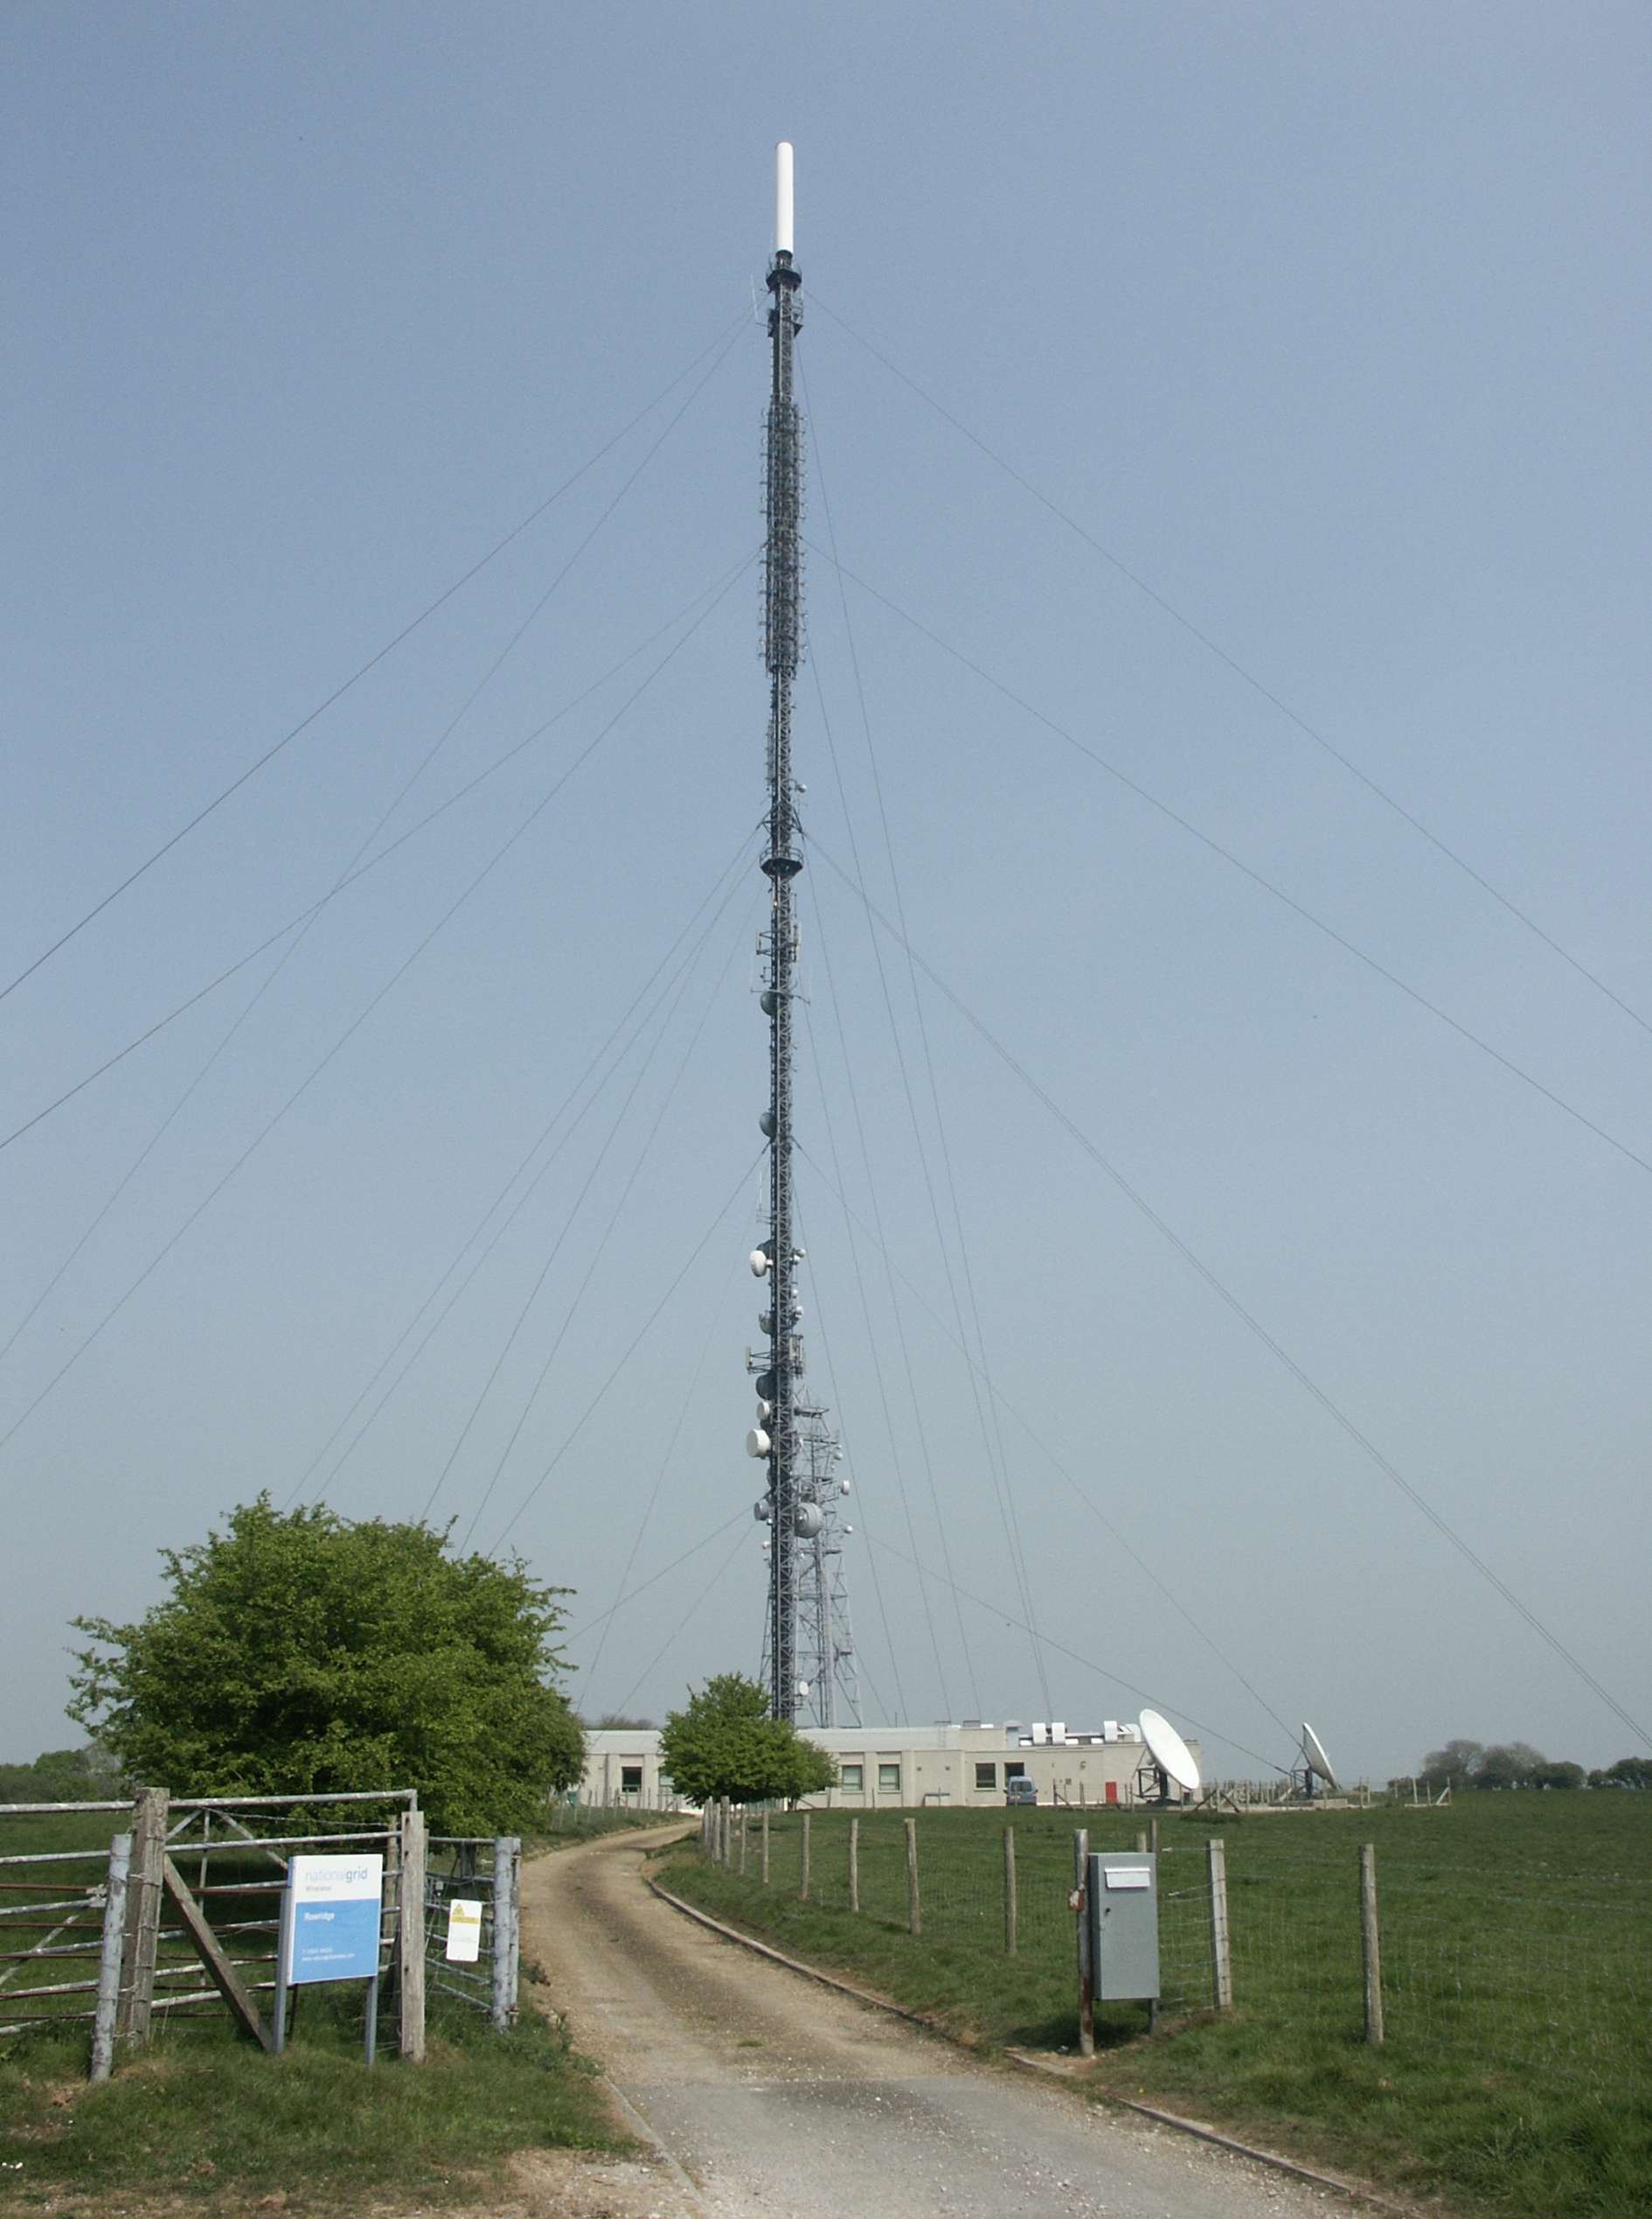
x: 1328, y: 330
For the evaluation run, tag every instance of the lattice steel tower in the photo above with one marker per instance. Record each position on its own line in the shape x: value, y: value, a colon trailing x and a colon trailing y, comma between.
x: 809, y: 1659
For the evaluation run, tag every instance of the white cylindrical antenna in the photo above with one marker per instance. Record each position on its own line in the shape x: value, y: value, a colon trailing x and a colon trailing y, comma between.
x: 783, y: 198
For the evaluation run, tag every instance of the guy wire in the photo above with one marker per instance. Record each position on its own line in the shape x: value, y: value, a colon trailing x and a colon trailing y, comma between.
x: 1252, y: 1323
x: 1239, y: 672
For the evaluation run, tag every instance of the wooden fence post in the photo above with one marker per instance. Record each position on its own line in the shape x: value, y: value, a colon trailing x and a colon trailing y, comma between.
x: 410, y: 1940
x: 1086, y: 1974
x: 109, y: 1962
x: 854, y: 1864
x: 1221, y: 1951
x: 766, y: 1845
x: 1142, y: 1850
x: 142, y: 1932
x: 1009, y: 1891
x: 1370, y: 1947
x: 743, y: 1816
x: 803, y: 1886
x: 507, y: 1866
x: 914, y: 1914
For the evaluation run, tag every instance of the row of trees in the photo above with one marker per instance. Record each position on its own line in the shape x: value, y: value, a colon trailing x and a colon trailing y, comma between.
x: 62, y: 1776
x: 1516, y: 1765
x: 295, y: 1653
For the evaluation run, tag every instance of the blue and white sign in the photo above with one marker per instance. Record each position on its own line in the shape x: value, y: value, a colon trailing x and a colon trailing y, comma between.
x: 331, y: 1917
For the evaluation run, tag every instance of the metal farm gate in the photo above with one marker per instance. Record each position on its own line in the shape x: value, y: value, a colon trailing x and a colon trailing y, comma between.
x: 178, y: 1916
x: 473, y: 1869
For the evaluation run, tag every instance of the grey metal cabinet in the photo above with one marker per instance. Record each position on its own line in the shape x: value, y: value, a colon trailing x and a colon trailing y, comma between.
x: 1122, y: 1901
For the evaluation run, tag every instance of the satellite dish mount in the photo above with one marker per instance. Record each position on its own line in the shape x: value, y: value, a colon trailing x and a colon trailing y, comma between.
x: 1171, y: 1760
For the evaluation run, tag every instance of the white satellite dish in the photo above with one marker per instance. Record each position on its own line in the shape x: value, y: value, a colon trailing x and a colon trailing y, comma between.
x: 1169, y: 1751
x: 1314, y: 1751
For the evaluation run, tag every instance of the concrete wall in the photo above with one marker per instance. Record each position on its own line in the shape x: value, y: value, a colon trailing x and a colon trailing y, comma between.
x: 616, y: 1757
x: 901, y: 1768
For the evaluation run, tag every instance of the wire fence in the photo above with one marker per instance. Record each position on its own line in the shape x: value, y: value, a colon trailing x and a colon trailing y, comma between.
x: 1544, y: 1975
x: 1549, y: 1979
x: 1560, y: 1992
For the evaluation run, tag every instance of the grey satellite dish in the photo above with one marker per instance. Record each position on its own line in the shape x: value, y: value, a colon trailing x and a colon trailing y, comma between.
x: 1169, y: 1751
x: 1313, y: 1752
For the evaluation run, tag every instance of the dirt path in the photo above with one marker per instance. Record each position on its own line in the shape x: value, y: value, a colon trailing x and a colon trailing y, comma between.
x: 778, y: 2099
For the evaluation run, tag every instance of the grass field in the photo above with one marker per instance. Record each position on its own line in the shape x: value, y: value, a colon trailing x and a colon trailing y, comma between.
x: 1517, y: 1976
x: 201, y: 2113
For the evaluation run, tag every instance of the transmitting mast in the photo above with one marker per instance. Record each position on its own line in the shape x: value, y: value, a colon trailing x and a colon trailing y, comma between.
x: 809, y: 1658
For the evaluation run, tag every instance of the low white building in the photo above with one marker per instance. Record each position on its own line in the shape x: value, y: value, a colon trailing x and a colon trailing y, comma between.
x: 899, y: 1768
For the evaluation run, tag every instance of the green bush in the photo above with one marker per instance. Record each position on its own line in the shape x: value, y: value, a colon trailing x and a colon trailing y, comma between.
x: 298, y: 1653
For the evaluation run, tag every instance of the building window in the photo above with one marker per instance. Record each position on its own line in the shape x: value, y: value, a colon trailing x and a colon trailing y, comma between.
x: 630, y: 1779
x: 852, y: 1776
x: 1014, y: 1772
x: 986, y: 1776
x: 889, y: 1777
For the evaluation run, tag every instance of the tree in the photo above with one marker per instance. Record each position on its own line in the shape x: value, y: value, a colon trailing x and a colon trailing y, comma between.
x: 1508, y: 1764
x: 1453, y: 1765
x: 725, y: 1744
x: 1562, y: 1775
x: 297, y: 1652
x: 1627, y: 1772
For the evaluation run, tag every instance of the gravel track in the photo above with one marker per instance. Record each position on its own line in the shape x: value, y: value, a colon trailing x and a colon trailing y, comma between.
x: 771, y: 2097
